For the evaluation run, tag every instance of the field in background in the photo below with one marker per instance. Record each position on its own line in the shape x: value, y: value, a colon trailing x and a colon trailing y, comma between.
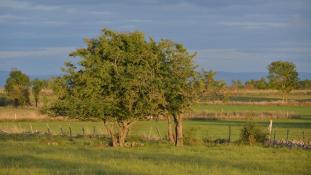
x: 299, y: 110
x: 255, y: 95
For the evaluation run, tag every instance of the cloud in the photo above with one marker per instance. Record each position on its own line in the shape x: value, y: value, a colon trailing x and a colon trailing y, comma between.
x: 254, y: 25
x: 9, y: 17
x: 51, y: 51
x: 139, y: 20
x: 237, y: 60
x: 14, y: 4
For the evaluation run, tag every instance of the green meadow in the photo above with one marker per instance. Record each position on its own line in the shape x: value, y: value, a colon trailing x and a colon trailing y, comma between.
x: 84, y: 156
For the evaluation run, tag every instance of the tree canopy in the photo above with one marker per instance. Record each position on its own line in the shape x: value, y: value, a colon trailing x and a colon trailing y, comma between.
x: 17, y: 87
x: 283, y: 76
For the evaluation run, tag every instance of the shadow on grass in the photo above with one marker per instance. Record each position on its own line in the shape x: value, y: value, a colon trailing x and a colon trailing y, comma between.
x: 59, y: 166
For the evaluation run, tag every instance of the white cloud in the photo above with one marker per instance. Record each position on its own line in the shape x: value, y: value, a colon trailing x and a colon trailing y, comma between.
x: 8, y: 18
x: 254, y: 25
x: 51, y: 51
x: 25, y: 5
x: 139, y: 20
x: 237, y: 60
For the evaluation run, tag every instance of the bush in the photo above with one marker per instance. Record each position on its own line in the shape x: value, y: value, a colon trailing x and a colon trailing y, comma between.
x: 250, y: 134
x: 5, y: 101
x: 191, y: 138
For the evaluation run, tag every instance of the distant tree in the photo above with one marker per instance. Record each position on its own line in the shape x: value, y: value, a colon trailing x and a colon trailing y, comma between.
x: 283, y: 76
x: 17, y: 87
x: 116, y: 81
x: 250, y: 84
x: 237, y: 84
x: 212, y: 89
x: 304, y: 84
x: 37, y: 86
x: 261, y: 83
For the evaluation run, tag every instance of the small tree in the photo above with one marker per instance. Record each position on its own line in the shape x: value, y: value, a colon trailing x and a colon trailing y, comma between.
x: 17, y: 87
x: 283, y: 76
x: 212, y: 89
x: 37, y: 86
x: 178, y: 83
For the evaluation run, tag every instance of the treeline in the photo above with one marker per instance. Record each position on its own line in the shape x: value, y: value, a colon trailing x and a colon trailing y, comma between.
x: 264, y: 83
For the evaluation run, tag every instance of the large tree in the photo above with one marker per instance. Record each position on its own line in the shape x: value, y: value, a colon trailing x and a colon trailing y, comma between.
x: 17, y: 87
x: 115, y: 81
x: 283, y: 76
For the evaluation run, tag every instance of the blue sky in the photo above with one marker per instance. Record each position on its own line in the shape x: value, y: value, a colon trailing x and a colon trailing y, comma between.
x: 234, y: 35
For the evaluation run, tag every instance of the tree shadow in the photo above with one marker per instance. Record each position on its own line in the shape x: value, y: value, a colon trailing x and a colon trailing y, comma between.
x: 58, y: 166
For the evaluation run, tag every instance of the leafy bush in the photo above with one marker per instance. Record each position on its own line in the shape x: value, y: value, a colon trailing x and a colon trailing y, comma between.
x: 250, y: 134
x: 5, y: 101
x: 191, y: 138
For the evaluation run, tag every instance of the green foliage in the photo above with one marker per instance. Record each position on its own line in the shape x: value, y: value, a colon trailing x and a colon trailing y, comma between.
x: 250, y: 134
x: 212, y: 89
x: 262, y: 83
x: 122, y: 77
x: 237, y: 84
x: 304, y: 84
x: 17, y: 87
x: 283, y: 76
x: 178, y: 77
x: 191, y: 136
x: 115, y: 79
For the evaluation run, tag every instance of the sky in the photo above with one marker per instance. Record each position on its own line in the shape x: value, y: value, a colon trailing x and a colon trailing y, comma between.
x: 36, y: 36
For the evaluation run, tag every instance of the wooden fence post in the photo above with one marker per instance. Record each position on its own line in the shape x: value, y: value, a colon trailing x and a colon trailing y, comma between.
x: 274, y: 135
x: 229, y: 139
x: 94, y: 131
x: 270, y: 131
x: 158, y: 133
x: 287, y: 133
x: 61, y: 131
x: 49, y: 132
x: 31, y: 128
x: 70, y: 132
x: 83, y: 131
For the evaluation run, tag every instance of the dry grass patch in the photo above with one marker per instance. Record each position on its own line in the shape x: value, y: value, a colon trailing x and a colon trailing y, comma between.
x: 11, y: 113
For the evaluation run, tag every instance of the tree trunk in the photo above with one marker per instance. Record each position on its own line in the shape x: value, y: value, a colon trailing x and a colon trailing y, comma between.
x: 118, y: 138
x: 123, y: 133
x: 170, y: 134
x: 114, y: 141
x: 36, y: 100
x: 179, y: 130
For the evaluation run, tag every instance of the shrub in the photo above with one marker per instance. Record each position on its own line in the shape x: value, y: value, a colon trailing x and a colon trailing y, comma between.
x: 191, y: 138
x: 250, y: 134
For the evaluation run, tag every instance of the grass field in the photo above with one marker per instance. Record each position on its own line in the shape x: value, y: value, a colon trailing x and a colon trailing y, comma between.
x: 37, y: 156
x: 300, y: 110
x: 57, y: 154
